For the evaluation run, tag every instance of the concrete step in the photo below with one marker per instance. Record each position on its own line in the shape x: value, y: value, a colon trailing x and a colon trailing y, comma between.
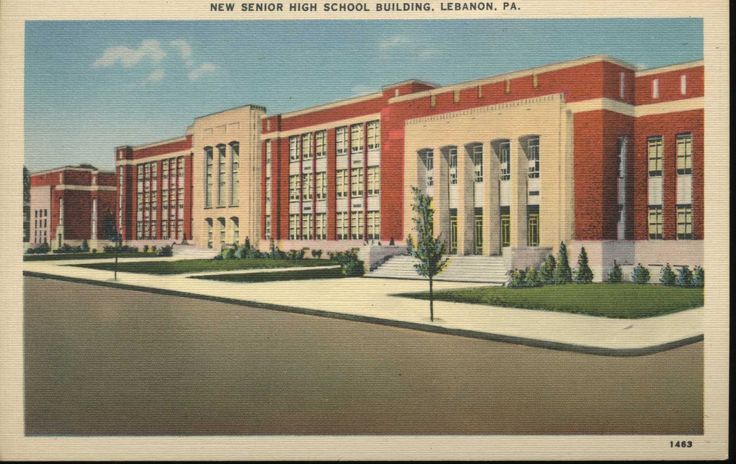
x: 459, y: 268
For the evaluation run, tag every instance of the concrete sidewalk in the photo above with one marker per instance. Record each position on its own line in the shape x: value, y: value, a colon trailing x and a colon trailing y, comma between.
x: 372, y: 300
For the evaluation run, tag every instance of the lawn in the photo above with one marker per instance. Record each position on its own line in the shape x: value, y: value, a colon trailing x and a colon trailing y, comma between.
x: 205, y: 265
x: 332, y: 273
x: 623, y: 301
x: 103, y: 255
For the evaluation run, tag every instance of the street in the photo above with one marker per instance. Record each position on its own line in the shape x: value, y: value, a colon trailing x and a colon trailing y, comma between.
x: 105, y: 361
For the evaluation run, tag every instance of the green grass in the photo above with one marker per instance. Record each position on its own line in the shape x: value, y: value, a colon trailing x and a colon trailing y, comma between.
x: 623, y: 301
x: 334, y: 273
x: 205, y: 265
x: 103, y: 255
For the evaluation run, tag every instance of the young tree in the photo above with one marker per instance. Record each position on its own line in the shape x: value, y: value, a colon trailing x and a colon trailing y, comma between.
x: 563, y: 273
x: 429, y: 250
x: 584, y: 274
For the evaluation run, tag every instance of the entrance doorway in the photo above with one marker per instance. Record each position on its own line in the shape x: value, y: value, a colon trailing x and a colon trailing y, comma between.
x: 453, y: 232
x: 505, y: 227
x: 478, y: 229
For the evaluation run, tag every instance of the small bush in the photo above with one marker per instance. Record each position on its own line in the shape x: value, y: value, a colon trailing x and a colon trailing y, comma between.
x: 684, y: 277
x: 666, y: 276
x: 583, y: 274
x: 615, y: 276
x: 239, y: 253
x: 316, y: 254
x: 532, y: 277
x: 153, y: 249
x: 94, y: 251
x: 698, y: 277
x: 227, y: 253
x: 353, y: 268
x: 217, y: 257
x: 145, y: 248
x: 85, y: 246
x: 166, y: 250
x: 547, y: 270
x: 39, y: 250
x: 563, y: 273
x: 640, y: 274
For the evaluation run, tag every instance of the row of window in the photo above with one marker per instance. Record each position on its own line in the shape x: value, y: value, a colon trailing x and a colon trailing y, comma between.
x: 223, y: 224
x: 683, y: 86
x: 348, y: 226
x: 222, y: 193
x: 683, y: 150
x: 301, y: 186
x: 314, y: 144
x: 684, y: 222
x: 147, y: 230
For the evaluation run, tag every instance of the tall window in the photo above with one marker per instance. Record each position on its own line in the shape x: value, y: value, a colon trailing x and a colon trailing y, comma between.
x: 234, y: 173
x: 208, y: 181
x: 321, y: 185
x: 374, y: 225
x: 427, y: 157
x: 307, y: 226
x: 655, y: 222
x: 236, y: 230
x: 209, y: 233
x: 684, y: 222
x: 655, y: 155
x: 321, y: 226
x: 221, y: 225
x: 307, y: 186
x: 374, y: 135
x: 655, y: 88
x: 307, y: 147
x: 533, y: 229
x: 342, y: 225
x: 477, y: 156
x: 221, y: 173
x: 532, y: 154
x: 294, y: 148
x: 180, y: 201
x: 356, y: 225
x: 180, y: 168
x: 293, y: 226
x: 356, y: 182
x: 341, y: 183
x: 294, y: 188
x: 683, y: 84
x: 268, y: 226
x: 341, y: 140
x: 452, y: 164
x: 684, y: 153
x: 374, y: 180
x: 356, y: 138
x: 504, y: 157
x: 320, y: 142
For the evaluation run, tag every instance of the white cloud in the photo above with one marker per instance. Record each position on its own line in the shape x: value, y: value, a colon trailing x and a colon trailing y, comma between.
x: 156, y: 75
x: 392, y: 42
x: 407, y: 45
x: 129, y: 57
x: 201, y: 70
x: 185, y: 51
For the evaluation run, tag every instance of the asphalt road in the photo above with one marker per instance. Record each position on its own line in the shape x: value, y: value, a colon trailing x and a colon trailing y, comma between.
x: 103, y: 361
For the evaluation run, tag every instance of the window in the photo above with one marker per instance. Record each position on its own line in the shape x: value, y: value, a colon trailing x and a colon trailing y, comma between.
x: 165, y: 230
x: 356, y: 182
x: 374, y: 180
x: 139, y: 231
x: 236, y: 230
x: 341, y: 140
x: 532, y: 154
x: 180, y: 228
x: 432, y: 101
x: 356, y: 225
x: 505, y: 228
x: 307, y: 147
x: 374, y: 225
x: 293, y: 226
x: 221, y: 225
x: 320, y: 141
x: 374, y: 135
x: 269, y: 190
x: 341, y: 183
x: 452, y: 163
x: 655, y: 222
x: 621, y: 157
x: 180, y: 167
x: 621, y: 84
x: 307, y: 225
x: 655, y: 88
x: 307, y: 186
x: 535, y: 81
x: 655, y: 155
x: 294, y: 188
x: 684, y: 153
x: 683, y: 84
x: 208, y: 177
x: 504, y: 157
x: 321, y: 226
x: 268, y: 157
x: 456, y: 96
x: 140, y: 201
x: 684, y: 222
x: 507, y: 87
x: 321, y: 185
x: 234, y: 173
x: 356, y: 138
x: 427, y: 157
x: 221, y: 175
x: 477, y: 156
x: 294, y: 148
x: 268, y: 226
x: 533, y: 229
x: 180, y: 201
x: 342, y: 225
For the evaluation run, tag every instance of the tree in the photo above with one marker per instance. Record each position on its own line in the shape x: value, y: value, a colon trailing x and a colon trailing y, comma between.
x: 563, y: 273
x: 429, y: 250
x: 585, y: 273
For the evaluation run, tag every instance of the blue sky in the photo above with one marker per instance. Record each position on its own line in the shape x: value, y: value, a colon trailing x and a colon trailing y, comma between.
x: 94, y: 85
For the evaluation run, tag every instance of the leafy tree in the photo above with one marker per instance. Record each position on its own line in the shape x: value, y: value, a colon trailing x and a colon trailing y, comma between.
x: 563, y: 273
x: 429, y: 250
x: 584, y: 274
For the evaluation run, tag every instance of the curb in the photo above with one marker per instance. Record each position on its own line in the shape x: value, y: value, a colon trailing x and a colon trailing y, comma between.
x: 535, y: 343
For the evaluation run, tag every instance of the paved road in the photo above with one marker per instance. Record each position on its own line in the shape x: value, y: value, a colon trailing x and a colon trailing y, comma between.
x: 102, y: 361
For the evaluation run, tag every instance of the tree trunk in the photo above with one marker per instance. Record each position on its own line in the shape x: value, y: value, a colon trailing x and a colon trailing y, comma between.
x: 431, y: 301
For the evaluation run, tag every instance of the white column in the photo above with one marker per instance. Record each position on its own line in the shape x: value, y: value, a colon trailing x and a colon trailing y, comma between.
x: 93, y: 234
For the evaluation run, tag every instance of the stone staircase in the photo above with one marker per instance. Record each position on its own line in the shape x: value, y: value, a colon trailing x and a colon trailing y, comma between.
x: 192, y: 252
x: 486, y: 269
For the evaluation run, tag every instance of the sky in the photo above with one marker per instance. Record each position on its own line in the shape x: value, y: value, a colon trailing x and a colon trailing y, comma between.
x: 93, y: 85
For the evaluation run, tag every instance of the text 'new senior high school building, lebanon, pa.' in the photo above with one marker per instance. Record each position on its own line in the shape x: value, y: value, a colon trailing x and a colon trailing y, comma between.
x: 591, y: 152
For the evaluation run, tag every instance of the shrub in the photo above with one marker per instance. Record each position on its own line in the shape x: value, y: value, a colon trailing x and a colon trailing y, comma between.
x: 217, y: 257
x: 517, y: 278
x: 532, y: 278
x: 563, y: 273
x: 698, y: 277
x: 239, y: 253
x: 227, y: 253
x: 409, y: 243
x: 666, y: 276
x: 391, y: 242
x: 94, y: 251
x: 153, y: 249
x: 640, y: 274
x: 615, y: 276
x: 583, y: 274
x: 39, y: 250
x: 145, y: 248
x: 85, y: 246
x: 246, y: 244
x: 316, y: 254
x: 547, y: 271
x: 353, y: 268
x: 685, y: 277
x: 166, y: 250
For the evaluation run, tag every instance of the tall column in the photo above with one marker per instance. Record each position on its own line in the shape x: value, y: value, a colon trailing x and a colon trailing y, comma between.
x: 331, y: 190
x: 465, y: 210
x: 442, y: 196
x: 93, y: 232
x: 491, y: 201
x: 519, y: 170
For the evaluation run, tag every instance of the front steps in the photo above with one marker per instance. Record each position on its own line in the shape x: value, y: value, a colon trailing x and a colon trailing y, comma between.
x: 192, y: 252
x: 484, y: 269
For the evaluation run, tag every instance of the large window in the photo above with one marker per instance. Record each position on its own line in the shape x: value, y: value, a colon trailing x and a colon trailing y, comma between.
x: 356, y: 225
x: 427, y: 157
x: 294, y: 188
x: 374, y: 135
x: 374, y: 225
x: 341, y: 183
x: 307, y: 185
x: 221, y: 225
x: 655, y: 222
x: 293, y: 226
x: 234, y: 173
x: 655, y: 155
x: 533, y: 229
x: 294, y: 148
x: 356, y: 138
x: 342, y: 225
x: 504, y: 157
x: 307, y: 147
x: 307, y: 226
x: 476, y: 154
x: 356, y: 182
x: 321, y: 185
x: 684, y: 222
x: 684, y: 153
x: 452, y: 164
x: 320, y: 141
x: 236, y: 230
x: 374, y: 180
x: 221, y: 173
x: 341, y: 140
x: 532, y: 154
x: 208, y: 181
x: 321, y: 226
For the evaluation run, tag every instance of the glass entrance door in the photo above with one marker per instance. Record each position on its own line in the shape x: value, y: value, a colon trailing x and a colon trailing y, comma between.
x: 453, y: 233
x: 505, y: 230
x: 478, y: 248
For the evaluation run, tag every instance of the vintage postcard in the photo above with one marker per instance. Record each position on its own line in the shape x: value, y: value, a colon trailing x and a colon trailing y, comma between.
x: 364, y: 230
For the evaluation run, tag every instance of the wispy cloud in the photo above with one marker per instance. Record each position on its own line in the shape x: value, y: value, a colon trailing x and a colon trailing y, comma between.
x: 156, y: 75
x: 392, y: 42
x: 407, y: 45
x: 201, y: 71
x: 185, y: 51
x: 130, y: 57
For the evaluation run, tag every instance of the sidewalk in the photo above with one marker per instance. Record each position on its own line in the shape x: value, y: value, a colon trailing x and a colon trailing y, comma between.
x: 371, y: 300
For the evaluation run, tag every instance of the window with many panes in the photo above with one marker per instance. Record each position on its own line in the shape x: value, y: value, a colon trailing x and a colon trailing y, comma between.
x: 655, y: 154
x: 356, y: 138
x: 307, y: 147
x: 294, y: 148
x: 208, y: 177
x: 452, y: 164
x: 320, y: 142
x: 684, y: 153
x: 294, y: 188
x: 293, y: 226
x: 374, y: 225
x: 236, y: 230
x: 234, y: 173
x: 221, y: 226
x: 321, y: 185
x: 307, y: 186
x: 684, y: 222
x: 342, y: 225
x: 374, y: 135
x: 341, y: 140
x: 307, y: 226
x: 321, y: 220
x: 356, y: 225
x: 221, y: 173
x: 476, y: 154
x: 341, y: 183
x: 374, y: 180
x: 427, y: 157
x: 532, y: 154
x: 655, y: 224
x: 268, y: 226
x: 356, y: 182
